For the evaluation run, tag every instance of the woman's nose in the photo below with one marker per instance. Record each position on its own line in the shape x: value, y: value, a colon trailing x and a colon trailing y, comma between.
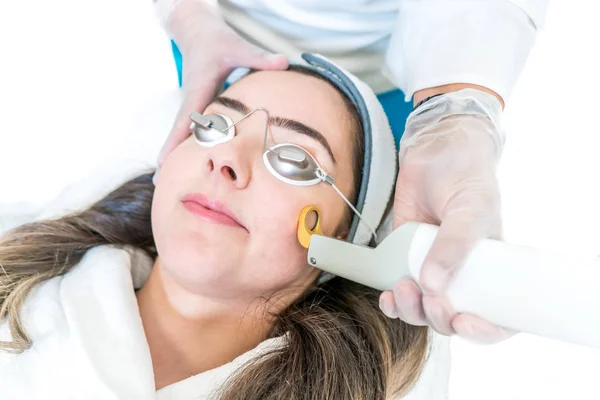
x: 228, y: 172
x: 230, y: 162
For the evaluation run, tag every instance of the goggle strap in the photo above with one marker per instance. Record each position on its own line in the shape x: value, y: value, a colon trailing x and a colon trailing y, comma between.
x: 353, y: 209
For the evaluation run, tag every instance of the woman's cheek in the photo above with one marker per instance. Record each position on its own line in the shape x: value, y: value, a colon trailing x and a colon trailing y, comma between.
x: 279, y: 211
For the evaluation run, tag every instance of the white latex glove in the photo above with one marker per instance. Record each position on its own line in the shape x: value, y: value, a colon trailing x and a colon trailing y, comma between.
x: 447, y: 177
x: 210, y: 50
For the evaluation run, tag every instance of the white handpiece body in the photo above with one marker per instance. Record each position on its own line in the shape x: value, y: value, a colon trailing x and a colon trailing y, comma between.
x: 529, y: 290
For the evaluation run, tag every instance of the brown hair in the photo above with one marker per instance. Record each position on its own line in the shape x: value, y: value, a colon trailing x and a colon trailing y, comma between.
x: 339, y: 345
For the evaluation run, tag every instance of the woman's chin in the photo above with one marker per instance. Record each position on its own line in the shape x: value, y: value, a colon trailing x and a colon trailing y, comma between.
x: 222, y: 270
x: 198, y: 264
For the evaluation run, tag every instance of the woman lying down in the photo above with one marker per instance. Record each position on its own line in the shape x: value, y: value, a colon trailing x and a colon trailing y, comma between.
x: 193, y: 285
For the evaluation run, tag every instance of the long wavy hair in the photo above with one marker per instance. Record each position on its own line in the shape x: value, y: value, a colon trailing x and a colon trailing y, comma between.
x: 338, y: 344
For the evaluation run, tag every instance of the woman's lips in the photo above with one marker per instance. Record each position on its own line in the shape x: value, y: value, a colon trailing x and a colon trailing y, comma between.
x: 210, y: 210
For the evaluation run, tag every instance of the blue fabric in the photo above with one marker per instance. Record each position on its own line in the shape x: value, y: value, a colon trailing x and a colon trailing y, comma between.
x: 393, y: 103
x: 397, y: 111
x: 178, y: 62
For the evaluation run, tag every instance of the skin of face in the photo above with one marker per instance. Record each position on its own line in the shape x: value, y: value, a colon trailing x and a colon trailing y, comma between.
x: 235, y: 264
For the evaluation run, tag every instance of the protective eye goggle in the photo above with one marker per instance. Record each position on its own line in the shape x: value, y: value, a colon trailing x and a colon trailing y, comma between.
x: 288, y: 162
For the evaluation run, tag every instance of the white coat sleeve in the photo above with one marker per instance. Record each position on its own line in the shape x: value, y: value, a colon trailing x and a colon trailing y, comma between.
x: 482, y: 42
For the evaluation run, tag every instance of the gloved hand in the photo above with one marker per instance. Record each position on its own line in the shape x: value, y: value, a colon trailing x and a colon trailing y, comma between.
x: 210, y: 50
x: 448, y: 158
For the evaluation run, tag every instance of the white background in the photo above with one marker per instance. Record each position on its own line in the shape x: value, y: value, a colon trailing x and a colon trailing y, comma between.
x: 82, y: 82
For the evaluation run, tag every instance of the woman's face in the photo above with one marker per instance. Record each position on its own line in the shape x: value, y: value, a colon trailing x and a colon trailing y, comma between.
x: 259, y: 255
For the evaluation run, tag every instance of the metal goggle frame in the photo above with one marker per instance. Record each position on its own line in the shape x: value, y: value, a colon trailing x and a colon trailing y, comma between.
x: 288, y: 162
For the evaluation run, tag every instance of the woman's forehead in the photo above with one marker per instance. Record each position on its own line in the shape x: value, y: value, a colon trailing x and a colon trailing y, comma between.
x: 300, y: 97
x: 288, y: 91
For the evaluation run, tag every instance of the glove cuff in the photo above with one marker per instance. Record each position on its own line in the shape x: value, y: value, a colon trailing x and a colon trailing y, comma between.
x: 469, y: 101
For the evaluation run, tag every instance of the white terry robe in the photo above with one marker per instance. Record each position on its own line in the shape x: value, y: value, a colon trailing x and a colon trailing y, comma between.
x: 88, y: 338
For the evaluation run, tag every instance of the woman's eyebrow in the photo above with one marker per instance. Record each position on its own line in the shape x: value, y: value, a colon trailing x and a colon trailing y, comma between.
x: 285, y: 123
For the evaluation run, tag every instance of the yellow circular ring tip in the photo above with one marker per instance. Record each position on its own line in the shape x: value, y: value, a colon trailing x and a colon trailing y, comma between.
x: 304, y: 232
